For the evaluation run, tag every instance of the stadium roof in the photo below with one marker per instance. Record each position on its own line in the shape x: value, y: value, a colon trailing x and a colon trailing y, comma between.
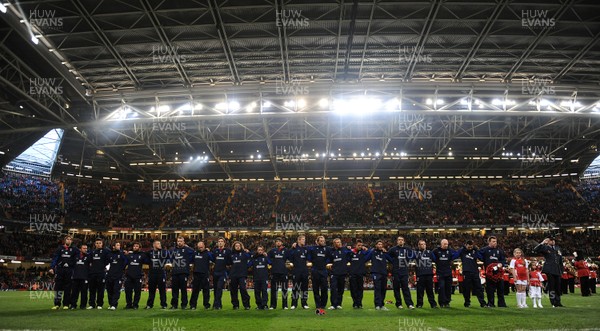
x: 249, y: 89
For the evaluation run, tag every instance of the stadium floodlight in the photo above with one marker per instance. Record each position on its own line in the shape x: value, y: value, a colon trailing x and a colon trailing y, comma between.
x: 251, y: 107
x: 301, y: 103
x: 164, y: 108
x: 428, y: 101
x: 323, y: 103
x: 507, y: 102
x: 355, y: 106
x: 234, y: 105
x: 35, y: 39
x: 185, y: 107
x: 570, y: 104
x: 2, y: 8
x: 221, y: 106
x: 267, y: 104
x: 393, y: 104
x: 440, y: 101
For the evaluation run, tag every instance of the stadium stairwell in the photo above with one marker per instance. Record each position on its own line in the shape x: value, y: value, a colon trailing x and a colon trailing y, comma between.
x: 372, y: 195
x: 277, y: 198
x: 61, y: 188
x: 163, y: 221
x: 228, y: 201
x: 574, y: 190
x: 463, y: 192
x: 512, y: 194
x: 325, y: 203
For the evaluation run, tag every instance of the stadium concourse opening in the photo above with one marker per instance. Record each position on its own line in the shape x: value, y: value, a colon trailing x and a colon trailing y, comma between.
x: 304, y: 150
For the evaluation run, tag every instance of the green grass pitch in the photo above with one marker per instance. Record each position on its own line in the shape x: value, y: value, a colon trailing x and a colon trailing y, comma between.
x: 31, y: 310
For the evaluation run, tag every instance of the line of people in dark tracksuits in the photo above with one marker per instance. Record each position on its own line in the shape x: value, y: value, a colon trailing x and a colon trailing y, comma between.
x: 79, y: 271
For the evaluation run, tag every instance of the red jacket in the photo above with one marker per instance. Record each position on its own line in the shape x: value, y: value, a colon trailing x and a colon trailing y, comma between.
x: 534, y: 278
x: 582, y: 269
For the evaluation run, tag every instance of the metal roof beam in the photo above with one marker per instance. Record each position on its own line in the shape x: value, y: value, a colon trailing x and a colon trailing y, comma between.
x: 214, y: 7
x: 481, y: 37
x: 563, y: 9
x: 283, y: 42
x: 351, y: 29
x: 107, y: 43
x: 577, y: 57
x: 367, y: 36
x: 435, y: 7
x: 165, y: 40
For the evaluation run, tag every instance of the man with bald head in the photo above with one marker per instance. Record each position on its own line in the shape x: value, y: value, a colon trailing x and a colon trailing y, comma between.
x: 201, y: 282
x: 424, y: 260
x: 444, y: 256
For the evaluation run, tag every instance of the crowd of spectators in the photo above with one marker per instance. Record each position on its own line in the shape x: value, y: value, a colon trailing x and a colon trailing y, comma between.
x: 33, y: 278
x: 22, y: 196
x: 28, y: 245
x: 143, y: 206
